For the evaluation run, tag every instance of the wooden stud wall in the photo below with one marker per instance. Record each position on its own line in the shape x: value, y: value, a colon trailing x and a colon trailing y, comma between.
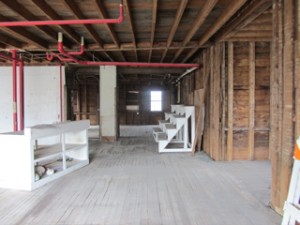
x: 285, y: 120
x: 237, y: 105
x: 85, y: 102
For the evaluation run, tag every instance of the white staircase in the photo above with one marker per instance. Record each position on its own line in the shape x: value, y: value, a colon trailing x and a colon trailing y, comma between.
x: 176, y: 133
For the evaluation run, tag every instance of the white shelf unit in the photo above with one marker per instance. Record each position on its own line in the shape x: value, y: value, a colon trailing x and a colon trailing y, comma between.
x: 62, y: 147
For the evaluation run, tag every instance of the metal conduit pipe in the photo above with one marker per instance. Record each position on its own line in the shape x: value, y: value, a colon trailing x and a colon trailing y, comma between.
x: 64, y: 22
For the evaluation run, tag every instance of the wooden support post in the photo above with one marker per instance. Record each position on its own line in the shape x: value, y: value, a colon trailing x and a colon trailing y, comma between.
x: 288, y: 139
x: 251, y: 99
x: 211, y: 104
x: 297, y: 75
x: 230, y: 102
x: 276, y: 106
x: 216, y: 101
x: 223, y: 102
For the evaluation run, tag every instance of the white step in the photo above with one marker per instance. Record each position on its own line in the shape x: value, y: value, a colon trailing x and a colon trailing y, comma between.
x: 172, y: 134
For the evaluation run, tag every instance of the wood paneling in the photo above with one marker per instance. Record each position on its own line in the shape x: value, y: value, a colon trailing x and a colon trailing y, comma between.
x: 284, y: 102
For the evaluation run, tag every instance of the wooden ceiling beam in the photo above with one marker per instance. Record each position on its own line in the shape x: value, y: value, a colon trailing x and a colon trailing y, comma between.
x: 143, y: 46
x: 228, y: 12
x: 129, y: 17
x: 102, y: 12
x: 100, y: 9
x: 52, y: 15
x: 199, y: 21
x: 248, y: 15
x: 2, y: 45
x: 9, y: 41
x: 178, y: 17
x: 27, y: 15
x: 153, y: 25
x: 22, y: 34
x: 78, y: 14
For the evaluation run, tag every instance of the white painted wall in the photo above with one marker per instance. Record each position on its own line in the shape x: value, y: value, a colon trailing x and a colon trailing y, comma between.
x: 108, y: 83
x: 41, y: 96
x: 6, y: 105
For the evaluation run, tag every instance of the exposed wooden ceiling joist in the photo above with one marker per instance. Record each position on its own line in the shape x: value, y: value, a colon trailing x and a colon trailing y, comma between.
x: 156, y: 30
x: 101, y: 10
x: 177, y: 19
x: 72, y: 7
x: 202, y: 16
x: 249, y: 14
x: 156, y: 71
x: 27, y: 15
x: 52, y: 15
x: 10, y: 41
x: 129, y: 17
x: 153, y: 25
x: 231, y: 9
x: 23, y: 34
x: 144, y: 46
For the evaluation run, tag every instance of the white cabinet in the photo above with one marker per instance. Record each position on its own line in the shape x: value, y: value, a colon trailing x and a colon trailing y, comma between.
x: 62, y: 147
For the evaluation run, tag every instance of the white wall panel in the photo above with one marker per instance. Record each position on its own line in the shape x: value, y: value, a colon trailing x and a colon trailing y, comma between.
x: 41, y: 94
x: 6, y: 106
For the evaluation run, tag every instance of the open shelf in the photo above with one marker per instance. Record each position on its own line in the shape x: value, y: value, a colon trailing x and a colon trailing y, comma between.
x: 62, y: 147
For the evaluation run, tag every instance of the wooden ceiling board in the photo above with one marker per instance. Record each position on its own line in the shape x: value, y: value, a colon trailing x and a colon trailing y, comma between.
x: 152, y: 30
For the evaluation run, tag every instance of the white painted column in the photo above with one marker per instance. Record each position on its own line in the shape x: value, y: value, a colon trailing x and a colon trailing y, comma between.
x: 108, y: 109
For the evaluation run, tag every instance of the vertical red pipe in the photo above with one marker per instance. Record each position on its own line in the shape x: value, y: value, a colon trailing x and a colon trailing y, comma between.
x: 61, y: 92
x: 14, y: 78
x: 21, y: 93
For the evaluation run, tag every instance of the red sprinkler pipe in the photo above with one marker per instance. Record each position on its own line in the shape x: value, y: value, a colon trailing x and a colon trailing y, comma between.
x: 21, y: 93
x: 64, y: 22
x: 61, y: 46
x: 9, y: 58
x: 14, y: 78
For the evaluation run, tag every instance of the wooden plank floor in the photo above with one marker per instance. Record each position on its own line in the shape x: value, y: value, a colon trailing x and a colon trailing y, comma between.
x: 129, y: 183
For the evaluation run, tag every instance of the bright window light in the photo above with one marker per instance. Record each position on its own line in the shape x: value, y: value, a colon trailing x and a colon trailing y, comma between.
x: 156, y: 101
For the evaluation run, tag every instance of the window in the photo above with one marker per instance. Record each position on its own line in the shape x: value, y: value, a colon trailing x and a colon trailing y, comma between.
x: 155, y: 100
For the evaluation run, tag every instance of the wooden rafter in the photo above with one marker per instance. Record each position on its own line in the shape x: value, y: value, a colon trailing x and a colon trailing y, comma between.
x: 128, y: 14
x: 2, y: 46
x: 251, y: 12
x: 231, y: 9
x: 153, y: 25
x: 102, y: 12
x: 27, y: 15
x: 178, y: 16
x: 78, y: 14
x: 202, y: 15
x: 52, y: 15
x: 9, y: 41
x: 23, y: 34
